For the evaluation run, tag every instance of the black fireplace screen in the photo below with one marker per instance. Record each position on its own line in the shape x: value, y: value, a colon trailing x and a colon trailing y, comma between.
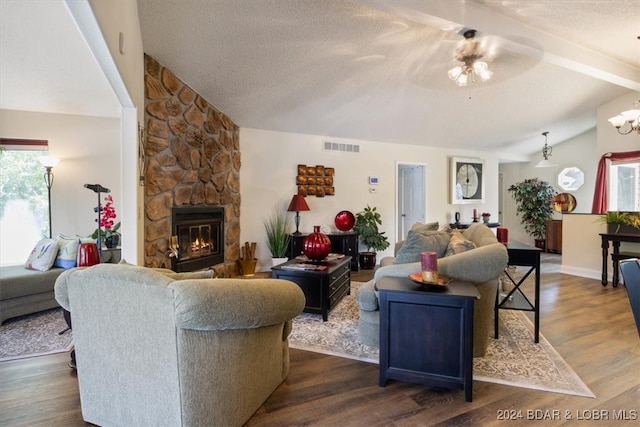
x: 199, y: 232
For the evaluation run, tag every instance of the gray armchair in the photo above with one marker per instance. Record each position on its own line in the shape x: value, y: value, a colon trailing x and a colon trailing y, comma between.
x: 155, y: 350
x: 481, y: 266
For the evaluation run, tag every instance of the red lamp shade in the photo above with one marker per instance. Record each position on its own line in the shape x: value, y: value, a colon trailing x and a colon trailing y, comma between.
x: 298, y: 204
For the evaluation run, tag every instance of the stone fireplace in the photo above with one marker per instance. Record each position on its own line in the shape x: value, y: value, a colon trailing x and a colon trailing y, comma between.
x: 192, y: 165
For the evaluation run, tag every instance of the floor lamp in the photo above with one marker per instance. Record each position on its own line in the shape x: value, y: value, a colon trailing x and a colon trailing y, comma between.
x: 49, y: 162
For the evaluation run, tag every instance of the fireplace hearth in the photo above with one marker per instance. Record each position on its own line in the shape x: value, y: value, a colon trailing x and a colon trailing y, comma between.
x: 197, y: 237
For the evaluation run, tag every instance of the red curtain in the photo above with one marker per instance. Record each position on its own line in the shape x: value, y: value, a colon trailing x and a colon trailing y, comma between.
x: 600, y: 195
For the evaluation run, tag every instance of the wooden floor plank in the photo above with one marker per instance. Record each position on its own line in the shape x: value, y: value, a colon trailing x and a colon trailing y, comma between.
x: 591, y: 326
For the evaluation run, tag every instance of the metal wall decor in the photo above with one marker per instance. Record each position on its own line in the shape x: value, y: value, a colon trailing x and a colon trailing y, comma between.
x: 315, y: 181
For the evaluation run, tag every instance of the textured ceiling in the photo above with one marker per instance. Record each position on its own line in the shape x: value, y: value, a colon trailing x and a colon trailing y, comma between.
x: 361, y: 69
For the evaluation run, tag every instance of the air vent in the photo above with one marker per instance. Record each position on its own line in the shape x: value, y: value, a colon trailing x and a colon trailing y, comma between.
x: 336, y: 146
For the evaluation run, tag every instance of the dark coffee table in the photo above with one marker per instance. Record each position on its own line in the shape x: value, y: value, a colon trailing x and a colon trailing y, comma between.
x: 323, y: 288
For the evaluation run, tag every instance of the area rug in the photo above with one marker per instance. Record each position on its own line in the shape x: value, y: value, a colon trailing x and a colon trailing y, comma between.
x: 34, y: 335
x: 513, y: 359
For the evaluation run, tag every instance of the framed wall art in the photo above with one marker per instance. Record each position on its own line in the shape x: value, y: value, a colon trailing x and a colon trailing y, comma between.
x: 467, y: 181
x: 315, y: 181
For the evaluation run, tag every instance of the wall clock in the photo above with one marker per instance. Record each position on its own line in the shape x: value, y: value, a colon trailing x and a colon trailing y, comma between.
x: 467, y: 180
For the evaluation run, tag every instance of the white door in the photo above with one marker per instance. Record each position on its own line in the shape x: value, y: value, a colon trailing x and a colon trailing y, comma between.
x: 411, y: 197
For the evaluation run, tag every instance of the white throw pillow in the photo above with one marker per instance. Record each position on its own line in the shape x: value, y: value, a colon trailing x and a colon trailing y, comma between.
x: 43, y: 255
x: 67, y: 252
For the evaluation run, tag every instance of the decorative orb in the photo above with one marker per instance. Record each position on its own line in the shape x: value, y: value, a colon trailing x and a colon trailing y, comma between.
x: 316, y: 245
x: 345, y: 221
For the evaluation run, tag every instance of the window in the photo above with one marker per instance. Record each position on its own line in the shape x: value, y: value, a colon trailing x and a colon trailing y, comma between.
x: 24, y: 205
x: 624, y: 186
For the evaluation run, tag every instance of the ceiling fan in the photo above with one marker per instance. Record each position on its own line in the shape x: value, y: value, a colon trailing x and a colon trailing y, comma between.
x: 472, y: 55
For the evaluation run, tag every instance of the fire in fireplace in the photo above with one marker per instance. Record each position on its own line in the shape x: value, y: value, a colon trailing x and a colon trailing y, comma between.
x: 197, y: 240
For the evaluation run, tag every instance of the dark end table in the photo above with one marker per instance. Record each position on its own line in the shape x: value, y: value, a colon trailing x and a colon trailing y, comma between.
x: 426, y: 337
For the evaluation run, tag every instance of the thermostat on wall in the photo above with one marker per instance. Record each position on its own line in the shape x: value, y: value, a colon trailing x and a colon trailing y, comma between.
x: 373, y: 180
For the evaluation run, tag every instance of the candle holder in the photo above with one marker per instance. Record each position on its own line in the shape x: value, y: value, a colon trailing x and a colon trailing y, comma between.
x: 429, y: 264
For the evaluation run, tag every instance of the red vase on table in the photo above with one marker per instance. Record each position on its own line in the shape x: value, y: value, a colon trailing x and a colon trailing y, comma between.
x: 316, y: 245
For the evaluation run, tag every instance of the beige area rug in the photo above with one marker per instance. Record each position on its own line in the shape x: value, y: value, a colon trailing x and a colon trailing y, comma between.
x: 513, y: 359
x: 34, y: 335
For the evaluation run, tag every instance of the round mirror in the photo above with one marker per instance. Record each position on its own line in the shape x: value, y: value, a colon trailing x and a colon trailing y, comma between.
x: 564, y: 203
x: 570, y: 179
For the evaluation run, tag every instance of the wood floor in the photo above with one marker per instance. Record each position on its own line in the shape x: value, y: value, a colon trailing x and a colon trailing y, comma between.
x: 591, y: 326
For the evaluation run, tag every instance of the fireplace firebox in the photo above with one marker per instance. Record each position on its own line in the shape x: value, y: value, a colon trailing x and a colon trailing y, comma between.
x: 199, y: 234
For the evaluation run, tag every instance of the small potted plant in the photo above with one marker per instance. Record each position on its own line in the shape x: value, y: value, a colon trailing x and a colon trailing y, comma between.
x: 108, y: 228
x: 367, y: 222
x: 534, y: 200
x: 621, y: 222
x: 485, y: 217
x: 278, y: 228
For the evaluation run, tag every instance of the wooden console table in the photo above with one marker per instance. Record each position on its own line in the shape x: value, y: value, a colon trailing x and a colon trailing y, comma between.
x: 427, y: 337
x: 521, y: 254
x: 616, y: 256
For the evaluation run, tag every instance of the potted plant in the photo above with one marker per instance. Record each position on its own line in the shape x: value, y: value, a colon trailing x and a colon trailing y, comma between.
x: 367, y: 222
x: 108, y: 228
x: 534, y: 200
x: 278, y: 227
x: 621, y: 222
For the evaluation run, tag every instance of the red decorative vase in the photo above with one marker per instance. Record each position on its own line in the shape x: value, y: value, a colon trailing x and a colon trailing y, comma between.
x: 316, y: 245
x: 88, y: 255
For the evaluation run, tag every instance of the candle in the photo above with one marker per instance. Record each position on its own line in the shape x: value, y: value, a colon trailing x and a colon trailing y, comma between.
x: 429, y: 264
x: 502, y: 234
x: 475, y: 213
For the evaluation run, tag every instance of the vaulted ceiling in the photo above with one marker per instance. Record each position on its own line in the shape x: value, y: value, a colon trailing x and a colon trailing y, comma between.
x: 360, y: 69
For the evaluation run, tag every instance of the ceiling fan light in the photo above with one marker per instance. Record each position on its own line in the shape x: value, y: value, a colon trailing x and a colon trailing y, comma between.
x: 462, y: 80
x: 480, y: 67
x: 455, y: 72
x: 485, y: 75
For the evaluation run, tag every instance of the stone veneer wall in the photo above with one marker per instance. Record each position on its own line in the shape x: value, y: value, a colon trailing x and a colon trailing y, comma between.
x: 193, y: 159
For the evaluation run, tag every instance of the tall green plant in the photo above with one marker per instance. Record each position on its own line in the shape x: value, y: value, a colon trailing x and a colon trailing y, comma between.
x: 534, y: 199
x: 366, y: 226
x: 278, y: 227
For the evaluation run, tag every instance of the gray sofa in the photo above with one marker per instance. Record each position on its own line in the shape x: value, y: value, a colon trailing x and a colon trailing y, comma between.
x: 24, y: 291
x: 482, y: 266
x: 152, y: 349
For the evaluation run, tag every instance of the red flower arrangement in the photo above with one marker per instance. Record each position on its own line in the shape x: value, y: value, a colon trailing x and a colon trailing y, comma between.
x: 108, y: 226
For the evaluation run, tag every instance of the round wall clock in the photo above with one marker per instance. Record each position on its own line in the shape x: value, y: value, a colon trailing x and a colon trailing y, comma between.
x: 467, y: 177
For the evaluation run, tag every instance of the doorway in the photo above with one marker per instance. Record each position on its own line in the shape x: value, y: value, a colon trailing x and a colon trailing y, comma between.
x: 411, y: 197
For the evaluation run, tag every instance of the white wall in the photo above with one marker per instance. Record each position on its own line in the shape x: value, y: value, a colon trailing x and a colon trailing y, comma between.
x: 580, y: 152
x: 269, y: 169
x: 89, y: 153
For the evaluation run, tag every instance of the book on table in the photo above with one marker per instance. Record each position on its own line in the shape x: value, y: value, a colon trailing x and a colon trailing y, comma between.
x: 304, y: 266
x: 330, y: 257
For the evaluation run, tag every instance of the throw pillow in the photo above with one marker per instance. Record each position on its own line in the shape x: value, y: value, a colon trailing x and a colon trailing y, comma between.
x: 458, y: 244
x: 67, y: 252
x: 43, y: 255
x: 420, y: 227
x: 417, y: 242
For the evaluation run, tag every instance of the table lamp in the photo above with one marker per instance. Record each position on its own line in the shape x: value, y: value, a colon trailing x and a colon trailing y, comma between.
x: 297, y: 205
